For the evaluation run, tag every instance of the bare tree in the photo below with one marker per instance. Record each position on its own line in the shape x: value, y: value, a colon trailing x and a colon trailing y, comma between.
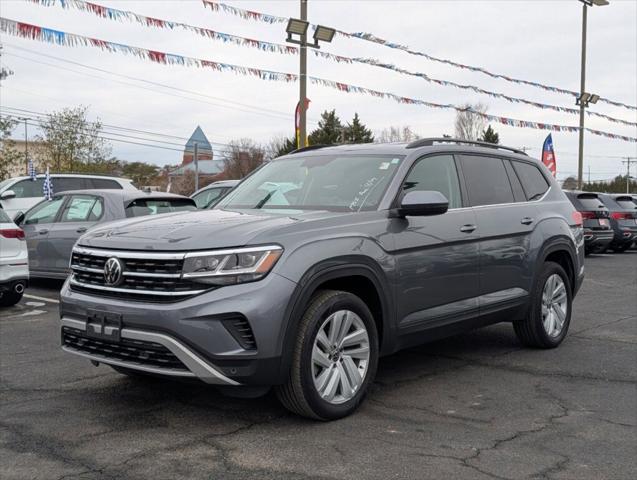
x: 469, y: 125
x: 244, y: 156
x: 396, y: 134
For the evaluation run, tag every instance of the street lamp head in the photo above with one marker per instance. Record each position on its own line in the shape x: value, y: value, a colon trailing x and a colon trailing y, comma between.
x: 323, y: 34
x: 297, y: 27
x: 593, y: 98
x: 599, y: 3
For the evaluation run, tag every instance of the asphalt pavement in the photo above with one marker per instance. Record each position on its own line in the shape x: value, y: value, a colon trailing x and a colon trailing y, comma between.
x: 475, y: 406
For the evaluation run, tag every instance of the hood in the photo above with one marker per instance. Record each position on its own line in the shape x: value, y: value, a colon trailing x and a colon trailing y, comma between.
x: 185, y: 231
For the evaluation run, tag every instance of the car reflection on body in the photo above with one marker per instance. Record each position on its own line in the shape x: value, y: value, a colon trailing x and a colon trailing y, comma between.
x: 53, y: 226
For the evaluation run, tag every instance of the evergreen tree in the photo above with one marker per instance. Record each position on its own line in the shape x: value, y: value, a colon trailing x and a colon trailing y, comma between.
x: 356, y: 132
x: 329, y: 131
x: 490, y: 136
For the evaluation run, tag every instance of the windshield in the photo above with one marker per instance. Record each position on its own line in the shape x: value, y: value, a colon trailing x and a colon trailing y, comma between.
x: 4, y: 183
x: 149, y: 206
x: 341, y: 183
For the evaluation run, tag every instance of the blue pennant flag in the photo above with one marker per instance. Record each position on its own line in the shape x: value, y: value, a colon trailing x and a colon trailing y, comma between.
x: 47, y: 188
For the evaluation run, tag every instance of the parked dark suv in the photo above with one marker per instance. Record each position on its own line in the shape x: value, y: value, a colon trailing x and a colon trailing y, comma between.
x: 324, y: 260
x: 596, y: 218
x: 623, y: 220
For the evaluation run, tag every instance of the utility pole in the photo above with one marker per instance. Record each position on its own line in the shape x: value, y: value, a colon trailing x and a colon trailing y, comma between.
x: 26, y: 146
x: 628, y: 161
x: 303, y: 81
x: 195, y: 157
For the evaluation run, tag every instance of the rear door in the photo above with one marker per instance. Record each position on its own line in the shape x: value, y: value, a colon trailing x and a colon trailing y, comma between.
x: 505, y: 220
x: 436, y: 256
x: 37, y: 225
x: 80, y: 213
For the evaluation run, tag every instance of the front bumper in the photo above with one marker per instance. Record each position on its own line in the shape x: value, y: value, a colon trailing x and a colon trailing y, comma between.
x: 194, y: 330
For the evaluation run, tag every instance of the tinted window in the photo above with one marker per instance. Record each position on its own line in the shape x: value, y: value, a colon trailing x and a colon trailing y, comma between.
x: 344, y: 183
x: 205, y: 198
x: 518, y: 191
x: 590, y: 202
x: 28, y: 188
x: 626, y: 202
x: 487, y: 180
x: 534, y: 183
x: 62, y: 184
x: 44, y: 212
x: 103, y: 183
x: 438, y: 174
x: 151, y: 206
x: 82, y: 208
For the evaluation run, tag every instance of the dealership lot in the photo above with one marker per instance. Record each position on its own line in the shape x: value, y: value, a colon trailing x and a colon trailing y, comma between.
x: 474, y: 406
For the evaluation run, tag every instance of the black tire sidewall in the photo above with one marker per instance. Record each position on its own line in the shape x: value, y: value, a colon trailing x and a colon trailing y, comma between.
x: 9, y: 299
x: 342, y: 301
x: 549, y: 269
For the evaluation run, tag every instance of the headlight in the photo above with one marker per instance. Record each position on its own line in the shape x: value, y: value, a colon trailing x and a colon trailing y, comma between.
x: 227, y: 267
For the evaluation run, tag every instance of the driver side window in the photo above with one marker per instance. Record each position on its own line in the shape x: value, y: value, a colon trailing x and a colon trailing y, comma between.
x: 437, y: 173
x: 44, y: 212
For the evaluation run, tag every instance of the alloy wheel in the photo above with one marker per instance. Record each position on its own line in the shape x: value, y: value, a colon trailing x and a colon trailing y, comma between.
x: 554, y: 305
x: 340, y: 357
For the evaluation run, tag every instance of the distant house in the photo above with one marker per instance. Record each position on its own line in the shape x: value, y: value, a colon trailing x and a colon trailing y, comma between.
x: 208, y: 166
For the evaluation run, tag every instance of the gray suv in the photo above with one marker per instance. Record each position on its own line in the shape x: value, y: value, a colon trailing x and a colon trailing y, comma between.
x: 324, y: 260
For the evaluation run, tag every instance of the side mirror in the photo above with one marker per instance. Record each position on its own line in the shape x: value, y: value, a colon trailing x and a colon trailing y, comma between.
x: 422, y: 203
x: 7, y: 194
x: 18, y: 218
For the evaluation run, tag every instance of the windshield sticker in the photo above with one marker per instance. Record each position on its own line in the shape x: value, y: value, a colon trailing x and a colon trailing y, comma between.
x: 384, y: 166
x: 395, y: 161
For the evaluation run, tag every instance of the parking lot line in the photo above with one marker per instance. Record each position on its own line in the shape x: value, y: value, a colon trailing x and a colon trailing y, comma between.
x: 44, y: 299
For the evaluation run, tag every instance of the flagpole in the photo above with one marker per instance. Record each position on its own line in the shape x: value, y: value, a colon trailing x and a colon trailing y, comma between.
x: 26, y: 148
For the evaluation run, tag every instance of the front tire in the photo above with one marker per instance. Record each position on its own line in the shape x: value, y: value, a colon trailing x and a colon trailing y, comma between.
x: 549, y: 314
x: 9, y: 299
x: 335, y: 357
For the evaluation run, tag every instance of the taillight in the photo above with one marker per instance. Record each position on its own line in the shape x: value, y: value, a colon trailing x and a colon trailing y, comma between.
x: 621, y: 216
x: 577, y: 218
x: 12, y: 233
x: 588, y: 215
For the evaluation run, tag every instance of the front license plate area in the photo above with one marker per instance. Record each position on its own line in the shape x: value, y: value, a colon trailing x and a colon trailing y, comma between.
x: 604, y: 222
x: 104, y: 325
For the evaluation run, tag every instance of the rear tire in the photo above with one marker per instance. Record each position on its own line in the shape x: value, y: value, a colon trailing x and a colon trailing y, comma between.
x: 549, y: 314
x: 328, y: 386
x: 9, y: 299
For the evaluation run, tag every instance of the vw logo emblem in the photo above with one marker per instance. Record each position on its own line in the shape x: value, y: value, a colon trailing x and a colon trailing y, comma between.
x: 112, y: 271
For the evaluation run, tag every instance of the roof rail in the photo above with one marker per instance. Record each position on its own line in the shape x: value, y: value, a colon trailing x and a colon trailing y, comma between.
x: 310, y: 147
x: 428, y: 142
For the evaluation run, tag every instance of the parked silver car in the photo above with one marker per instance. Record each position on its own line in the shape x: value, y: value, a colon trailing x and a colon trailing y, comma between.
x: 210, y: 195
x: 52, y: 227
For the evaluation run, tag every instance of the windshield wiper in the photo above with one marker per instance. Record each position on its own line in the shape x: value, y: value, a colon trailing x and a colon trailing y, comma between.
x: 263, y: 202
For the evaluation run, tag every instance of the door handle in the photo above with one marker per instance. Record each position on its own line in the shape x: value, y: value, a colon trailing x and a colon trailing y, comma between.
x: 44, y: 231
x: 81, y: 230
x: 467, y: 228
x: 526, y: 221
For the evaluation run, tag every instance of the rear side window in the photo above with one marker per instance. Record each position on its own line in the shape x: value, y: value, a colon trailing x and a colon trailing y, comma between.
x: 438, y: 174
x: 487, y: 180
x: 139, y: 208
x: 533, y: 182
x: 28, y: 188
x: 83, y: 208
x: 103, y: 183
x: 205, y: 198
x: 62, y: 184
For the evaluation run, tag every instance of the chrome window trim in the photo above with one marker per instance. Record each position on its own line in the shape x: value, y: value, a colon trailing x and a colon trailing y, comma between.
x: 134, y: 291
x: 198, y: 367
x: 527, y: 202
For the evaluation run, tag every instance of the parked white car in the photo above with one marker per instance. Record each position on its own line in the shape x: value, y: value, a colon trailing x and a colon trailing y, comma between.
x: 14, y: 262
x: 19, y: 194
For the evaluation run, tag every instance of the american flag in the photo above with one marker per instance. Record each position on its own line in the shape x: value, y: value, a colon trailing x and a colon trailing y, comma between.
x: 47, y: 188
x: 32, y: 173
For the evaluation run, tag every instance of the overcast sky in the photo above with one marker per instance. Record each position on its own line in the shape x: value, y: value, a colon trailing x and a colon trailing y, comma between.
x: 535, y: 40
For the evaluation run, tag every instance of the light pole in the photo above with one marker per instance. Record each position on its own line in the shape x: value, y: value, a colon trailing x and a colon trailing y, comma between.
x: 297, y: 33
x: 584, y: 98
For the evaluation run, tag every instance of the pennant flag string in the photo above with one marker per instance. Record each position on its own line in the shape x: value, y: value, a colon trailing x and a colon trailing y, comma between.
x: 57, y: 37
x: 119, y: 15
x: 262, y: 17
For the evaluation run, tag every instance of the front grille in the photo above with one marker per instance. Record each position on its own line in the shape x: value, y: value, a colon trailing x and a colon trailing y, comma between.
x: 145, y: 276
x: 137, y: 352
x: 240, y: 329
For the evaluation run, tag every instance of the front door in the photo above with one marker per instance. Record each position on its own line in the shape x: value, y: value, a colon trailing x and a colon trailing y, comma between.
x: 37, y: 225
x: 436, y: 256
